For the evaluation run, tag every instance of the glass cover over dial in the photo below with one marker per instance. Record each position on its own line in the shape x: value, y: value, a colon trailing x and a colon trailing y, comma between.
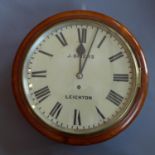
x: 80, y: 77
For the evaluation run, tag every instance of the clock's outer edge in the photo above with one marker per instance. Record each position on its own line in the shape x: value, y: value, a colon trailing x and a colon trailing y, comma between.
x: 69, y: 138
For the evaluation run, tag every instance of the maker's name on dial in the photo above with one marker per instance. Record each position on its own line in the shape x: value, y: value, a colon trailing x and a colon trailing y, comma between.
x: 90, y: 56
x: 78, y: 97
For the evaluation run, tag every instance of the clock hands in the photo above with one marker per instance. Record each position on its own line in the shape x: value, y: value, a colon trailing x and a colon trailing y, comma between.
x: 79, y: 75
x: 80, y: 51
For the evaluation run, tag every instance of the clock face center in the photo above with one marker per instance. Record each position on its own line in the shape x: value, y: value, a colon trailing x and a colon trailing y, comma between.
x: 79, y: 77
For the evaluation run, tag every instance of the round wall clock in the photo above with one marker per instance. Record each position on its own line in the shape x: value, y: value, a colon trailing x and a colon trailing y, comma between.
x: 80, y: 77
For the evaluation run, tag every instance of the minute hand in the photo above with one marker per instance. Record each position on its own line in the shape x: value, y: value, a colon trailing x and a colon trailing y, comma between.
x: 84, y: 63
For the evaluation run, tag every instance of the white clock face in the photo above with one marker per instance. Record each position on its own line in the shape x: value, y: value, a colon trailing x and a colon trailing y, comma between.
x: 80, y: 77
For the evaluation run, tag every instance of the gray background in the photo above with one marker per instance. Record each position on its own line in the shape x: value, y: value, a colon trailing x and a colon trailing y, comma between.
x: 17, y: 18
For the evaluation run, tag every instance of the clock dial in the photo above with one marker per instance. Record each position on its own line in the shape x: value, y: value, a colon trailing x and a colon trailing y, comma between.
x: 80, y: 77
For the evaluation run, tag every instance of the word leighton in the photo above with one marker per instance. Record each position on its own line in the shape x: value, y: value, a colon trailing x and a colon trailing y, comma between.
x: 77, y: 97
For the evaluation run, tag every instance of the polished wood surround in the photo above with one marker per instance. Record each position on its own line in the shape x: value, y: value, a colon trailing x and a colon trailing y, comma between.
x: 40, y: 125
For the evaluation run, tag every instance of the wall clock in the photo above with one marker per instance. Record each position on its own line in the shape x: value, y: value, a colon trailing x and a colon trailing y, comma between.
x: 80, y: 77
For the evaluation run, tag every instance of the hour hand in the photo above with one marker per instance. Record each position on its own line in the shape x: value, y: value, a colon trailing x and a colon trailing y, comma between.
x: 80, y: 51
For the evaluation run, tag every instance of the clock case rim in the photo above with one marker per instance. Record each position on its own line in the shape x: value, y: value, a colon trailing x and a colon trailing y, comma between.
x: 50, y: 132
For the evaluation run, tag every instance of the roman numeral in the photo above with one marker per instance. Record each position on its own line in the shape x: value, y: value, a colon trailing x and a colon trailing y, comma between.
x: 45, y: 53
x: 101, y: 42
x: 77, y: 117
x: 116, y: 56
x: 56, y: 110
x: 61, y: 39
x: 40, y: 74
x: 42, y: 94
x: 82, y: 33
x: 100, y: 113
x: 121, y: 77
x: 114, y: 97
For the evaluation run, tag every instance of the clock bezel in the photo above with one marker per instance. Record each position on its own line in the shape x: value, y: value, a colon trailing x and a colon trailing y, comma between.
x: 42, y: 127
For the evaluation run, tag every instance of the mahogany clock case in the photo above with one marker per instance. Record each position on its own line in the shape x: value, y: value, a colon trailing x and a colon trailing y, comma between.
x: 41, y: 126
